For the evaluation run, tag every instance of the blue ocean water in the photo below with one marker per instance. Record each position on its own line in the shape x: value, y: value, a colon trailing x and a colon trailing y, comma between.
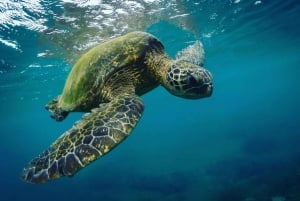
x: 241, y: 144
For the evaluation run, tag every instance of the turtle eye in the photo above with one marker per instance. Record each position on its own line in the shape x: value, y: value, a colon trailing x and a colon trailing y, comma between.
x: 191, y: 81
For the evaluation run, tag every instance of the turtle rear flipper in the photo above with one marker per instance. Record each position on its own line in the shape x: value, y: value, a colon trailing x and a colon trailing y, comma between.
x: 56, y: 113
x: 90, y: 138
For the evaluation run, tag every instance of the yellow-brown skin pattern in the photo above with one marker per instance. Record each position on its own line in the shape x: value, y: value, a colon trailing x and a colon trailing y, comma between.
x: 92, y: 137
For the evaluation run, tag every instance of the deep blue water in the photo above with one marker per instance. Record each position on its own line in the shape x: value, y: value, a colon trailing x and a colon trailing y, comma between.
x: 241, y: 144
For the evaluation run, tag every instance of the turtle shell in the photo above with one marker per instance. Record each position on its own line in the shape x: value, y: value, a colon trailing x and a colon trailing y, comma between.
x: 98, y: 64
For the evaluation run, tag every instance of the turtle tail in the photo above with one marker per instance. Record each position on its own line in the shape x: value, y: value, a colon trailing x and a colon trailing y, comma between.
x: 56, y: 112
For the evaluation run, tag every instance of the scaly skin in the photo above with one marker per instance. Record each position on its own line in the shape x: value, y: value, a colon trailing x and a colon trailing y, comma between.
x: 92, y: 137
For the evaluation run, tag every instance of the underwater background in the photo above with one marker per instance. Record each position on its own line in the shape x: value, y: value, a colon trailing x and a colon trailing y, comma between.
x: 241, y: 144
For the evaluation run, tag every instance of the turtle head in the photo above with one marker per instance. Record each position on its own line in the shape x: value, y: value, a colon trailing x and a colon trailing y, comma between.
x: 188, y: 80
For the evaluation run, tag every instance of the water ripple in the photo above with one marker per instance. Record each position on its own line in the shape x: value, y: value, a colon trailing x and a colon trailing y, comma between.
x: 26, y: 13
x: 66, y: 28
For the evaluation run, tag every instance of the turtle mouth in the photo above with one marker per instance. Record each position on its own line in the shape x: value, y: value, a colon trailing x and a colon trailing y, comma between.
x: 202, y: 91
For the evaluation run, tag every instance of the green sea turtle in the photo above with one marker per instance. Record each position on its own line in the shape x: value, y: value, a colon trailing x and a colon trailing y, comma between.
x: 107, y: 82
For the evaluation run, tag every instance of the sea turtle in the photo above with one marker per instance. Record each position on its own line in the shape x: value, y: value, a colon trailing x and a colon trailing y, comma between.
x: 107, y: 82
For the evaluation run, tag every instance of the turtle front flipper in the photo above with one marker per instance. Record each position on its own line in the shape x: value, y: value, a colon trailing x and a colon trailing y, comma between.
x: 95, y: 135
